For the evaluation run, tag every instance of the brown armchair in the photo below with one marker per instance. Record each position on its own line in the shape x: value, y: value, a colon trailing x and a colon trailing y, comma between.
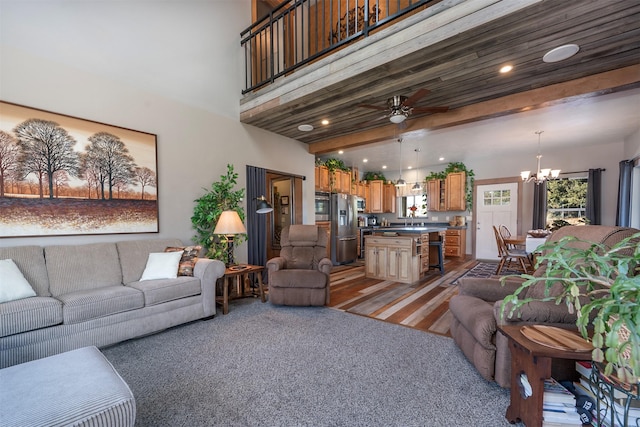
x: 476, y: 309
x: 301, y: 274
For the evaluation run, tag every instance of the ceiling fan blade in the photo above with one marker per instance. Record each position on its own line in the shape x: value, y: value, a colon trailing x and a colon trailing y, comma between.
x: 430, y: 109
x: 374, y: 107
x: 420, y: 93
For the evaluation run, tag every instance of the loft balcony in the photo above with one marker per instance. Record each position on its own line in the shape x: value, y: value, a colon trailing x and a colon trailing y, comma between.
x: 342, y: 60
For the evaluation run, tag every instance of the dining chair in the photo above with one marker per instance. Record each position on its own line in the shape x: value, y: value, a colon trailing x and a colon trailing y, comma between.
x: 510, y: 255
x: 505, y: 233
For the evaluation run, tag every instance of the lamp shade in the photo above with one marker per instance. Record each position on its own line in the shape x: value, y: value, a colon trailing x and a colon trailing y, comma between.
x: 397, y: 118
x: 229, y: 223
x: 263, y: 206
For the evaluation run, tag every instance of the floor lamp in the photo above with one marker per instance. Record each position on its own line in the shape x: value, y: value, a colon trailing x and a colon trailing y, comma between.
x: 229, y: 224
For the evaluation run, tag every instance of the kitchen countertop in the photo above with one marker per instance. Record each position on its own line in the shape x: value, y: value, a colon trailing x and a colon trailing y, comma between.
x: 411, y: 230
x: 397, y: 227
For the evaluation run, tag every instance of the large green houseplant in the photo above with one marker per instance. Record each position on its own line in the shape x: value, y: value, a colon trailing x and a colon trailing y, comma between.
x: 209, y: 207
x: 602, y: 286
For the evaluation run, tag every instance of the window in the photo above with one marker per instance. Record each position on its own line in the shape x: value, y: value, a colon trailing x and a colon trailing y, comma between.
x: 566, y: 200
x: 420, y: 202
x: 496, y: 198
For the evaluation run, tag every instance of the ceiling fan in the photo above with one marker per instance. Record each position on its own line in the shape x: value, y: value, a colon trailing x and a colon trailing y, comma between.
x: 399, y: 107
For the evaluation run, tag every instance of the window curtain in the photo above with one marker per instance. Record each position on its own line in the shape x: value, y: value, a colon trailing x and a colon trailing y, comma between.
x: 623, y: 215
x: 256, y: 223
x: 594, y: 196
x: 540, y: 206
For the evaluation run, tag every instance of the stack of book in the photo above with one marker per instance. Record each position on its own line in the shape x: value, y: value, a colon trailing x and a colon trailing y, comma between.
x: 559, y: 406
x: 585, y: 387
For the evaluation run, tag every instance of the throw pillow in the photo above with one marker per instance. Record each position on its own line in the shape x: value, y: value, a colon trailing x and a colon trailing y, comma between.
x: 161, y: 265
x: 13, y: 285
x: 188, y: 259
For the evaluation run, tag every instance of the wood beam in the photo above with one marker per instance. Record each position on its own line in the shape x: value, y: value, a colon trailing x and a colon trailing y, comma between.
x: 594, y: 85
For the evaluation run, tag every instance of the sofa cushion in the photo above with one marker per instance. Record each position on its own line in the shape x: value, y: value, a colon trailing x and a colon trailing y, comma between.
x: 30, y: 261
x: 29, y: 314
x: 298, y: 279
x: 188, y: 260
x: 82, y: 267
x: 605, y: 235
x: 13, y: 285
x: 163, y: 290
x: 476, y: 316
x: 80, y: 306
x: 161, y: 265
x: 133, y: 255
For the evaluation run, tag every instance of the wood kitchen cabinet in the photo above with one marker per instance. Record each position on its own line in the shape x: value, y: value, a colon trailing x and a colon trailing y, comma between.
x: 322, y: 179
x: 435, y: 192
x: 392, y: 258
x: 455, y: 195
x: 455, y: 242
x: 447, y: 194
x: 376, y: 196
x: 389, y: 198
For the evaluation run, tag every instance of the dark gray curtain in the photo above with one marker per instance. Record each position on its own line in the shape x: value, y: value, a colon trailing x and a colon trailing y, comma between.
x: 539, y: 206
x: 594, y: 196
x: 623, y: 215
x: 256, y: 223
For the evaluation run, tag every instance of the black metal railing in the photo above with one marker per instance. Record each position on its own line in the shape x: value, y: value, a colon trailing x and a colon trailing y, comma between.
x: 300, y: 31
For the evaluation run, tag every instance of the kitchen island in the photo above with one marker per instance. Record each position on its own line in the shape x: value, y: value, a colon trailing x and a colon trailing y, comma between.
x: 400, y: 254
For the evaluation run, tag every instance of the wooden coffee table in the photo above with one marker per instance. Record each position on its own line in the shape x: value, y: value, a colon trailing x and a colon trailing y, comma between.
x: 240, y: 274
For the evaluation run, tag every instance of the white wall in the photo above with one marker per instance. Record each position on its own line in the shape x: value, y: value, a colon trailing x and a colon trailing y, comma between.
x: 194, y: 144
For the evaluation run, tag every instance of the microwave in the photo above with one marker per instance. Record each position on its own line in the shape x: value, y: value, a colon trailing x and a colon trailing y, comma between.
x: 360, y: 204
x: 323, y: 205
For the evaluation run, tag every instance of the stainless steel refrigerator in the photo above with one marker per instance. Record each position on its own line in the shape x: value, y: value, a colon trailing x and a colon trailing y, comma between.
x: 344, y: 229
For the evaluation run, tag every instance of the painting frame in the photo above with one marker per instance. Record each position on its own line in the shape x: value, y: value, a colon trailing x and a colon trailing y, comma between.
x: 284, y: 200
x: 69, y: 176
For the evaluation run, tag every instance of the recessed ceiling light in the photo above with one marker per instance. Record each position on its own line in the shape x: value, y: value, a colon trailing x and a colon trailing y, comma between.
x: 365, y: 160
x: 305, y: 128
x: 410, y: 167
x: 325, y: 122
x: 561, y: 53
x: 506, y: 68
x: 441, y: 159
x: 384, y: 166
x: 340, y: 152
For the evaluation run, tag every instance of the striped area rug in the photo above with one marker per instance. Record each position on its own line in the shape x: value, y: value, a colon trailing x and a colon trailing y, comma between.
x: 423, y: 305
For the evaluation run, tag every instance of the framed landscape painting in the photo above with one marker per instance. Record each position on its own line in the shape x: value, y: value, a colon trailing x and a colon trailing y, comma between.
x: 61, y: 175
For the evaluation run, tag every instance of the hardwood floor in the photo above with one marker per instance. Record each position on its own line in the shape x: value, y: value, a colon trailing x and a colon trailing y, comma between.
x: 422, y: 305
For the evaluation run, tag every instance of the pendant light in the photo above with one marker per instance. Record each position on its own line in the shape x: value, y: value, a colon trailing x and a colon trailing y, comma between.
x: 417, y: 188
x: 541, y: 175
x: 400, y: 182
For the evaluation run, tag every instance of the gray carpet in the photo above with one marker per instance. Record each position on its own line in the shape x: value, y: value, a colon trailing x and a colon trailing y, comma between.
x: 263, y: 365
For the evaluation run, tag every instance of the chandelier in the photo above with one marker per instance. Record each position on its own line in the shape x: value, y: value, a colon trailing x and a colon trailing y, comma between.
x: 542, y: 174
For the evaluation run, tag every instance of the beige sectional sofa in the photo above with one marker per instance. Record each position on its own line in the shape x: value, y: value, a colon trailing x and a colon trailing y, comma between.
x: 92, y: 295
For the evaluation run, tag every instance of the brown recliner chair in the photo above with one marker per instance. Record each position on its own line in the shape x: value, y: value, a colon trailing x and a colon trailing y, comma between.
x: 301, y: 274
x: 476, y: 309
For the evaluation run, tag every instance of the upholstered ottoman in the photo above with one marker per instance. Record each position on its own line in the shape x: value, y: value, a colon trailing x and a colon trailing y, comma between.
x: 79, y: 388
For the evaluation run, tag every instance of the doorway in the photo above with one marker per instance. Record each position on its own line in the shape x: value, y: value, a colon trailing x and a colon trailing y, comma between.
x: 285, y: 193
x: 495, y: 203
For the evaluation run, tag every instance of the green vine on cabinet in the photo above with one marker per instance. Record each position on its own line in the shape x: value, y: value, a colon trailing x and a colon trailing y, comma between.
x: 457, y: 167
x: 373, y: 176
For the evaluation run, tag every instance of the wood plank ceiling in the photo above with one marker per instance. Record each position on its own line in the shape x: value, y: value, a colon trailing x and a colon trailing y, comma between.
x: 461, y: 72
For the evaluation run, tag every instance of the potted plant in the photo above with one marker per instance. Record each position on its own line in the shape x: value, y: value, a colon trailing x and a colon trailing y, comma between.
x: 209, y: 207
x: 602, y: 286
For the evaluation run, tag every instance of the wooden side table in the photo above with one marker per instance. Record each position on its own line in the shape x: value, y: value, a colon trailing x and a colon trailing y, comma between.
x: 241, y: 276
x: 534, y: 360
